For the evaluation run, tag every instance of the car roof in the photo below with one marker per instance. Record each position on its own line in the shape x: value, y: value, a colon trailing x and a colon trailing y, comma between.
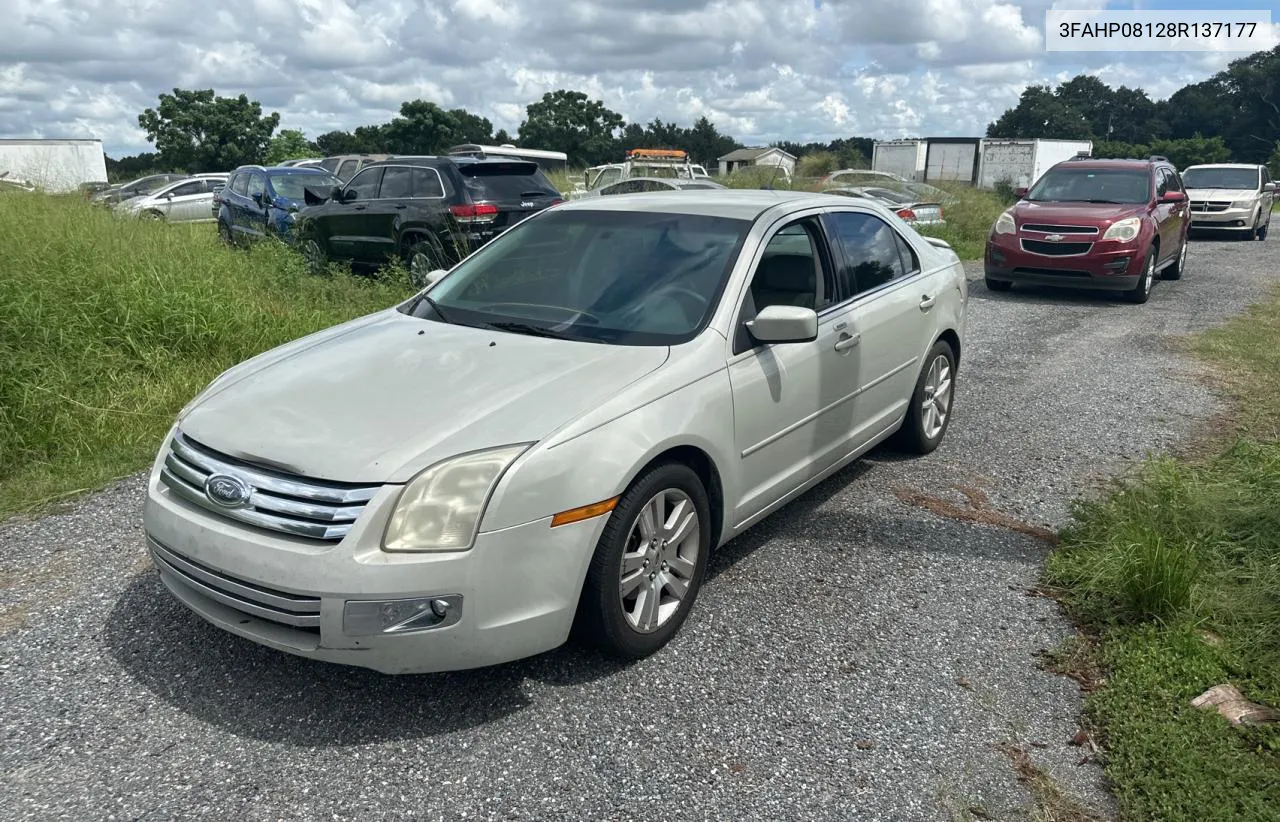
x: 284, y: 171
x: 1113, y: 163
x: 1246, y: 166
x: 731, y: 203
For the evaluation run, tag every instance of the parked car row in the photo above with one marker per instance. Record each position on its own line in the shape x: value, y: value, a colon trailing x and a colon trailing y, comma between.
x: 1119, y: 225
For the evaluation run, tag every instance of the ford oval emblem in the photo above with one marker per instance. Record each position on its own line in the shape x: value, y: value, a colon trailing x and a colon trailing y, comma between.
x: 226, y: 490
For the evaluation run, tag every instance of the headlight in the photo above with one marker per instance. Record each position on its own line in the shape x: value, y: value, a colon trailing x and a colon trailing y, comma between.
x: 1242, y: 204
x: 1124, y: 230
x: 440, y: 508
x: 1004, y: 224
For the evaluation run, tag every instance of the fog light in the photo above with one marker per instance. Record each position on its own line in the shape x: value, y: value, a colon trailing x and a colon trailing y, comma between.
x: 1118, y: 264
x: 400, y: 616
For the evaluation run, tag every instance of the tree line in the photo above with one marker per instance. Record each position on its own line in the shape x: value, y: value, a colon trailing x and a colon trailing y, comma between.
x: 1234, y: 115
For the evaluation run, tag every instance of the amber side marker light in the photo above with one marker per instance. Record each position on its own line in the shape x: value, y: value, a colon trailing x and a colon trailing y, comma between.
x: 595, y: 509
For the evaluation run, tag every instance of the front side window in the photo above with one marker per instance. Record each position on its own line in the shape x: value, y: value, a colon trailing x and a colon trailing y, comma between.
x: 365, y: 184
x: 626, y: 278
x: 292, y: 186
x: 257, y: 184
x: 240, y: 184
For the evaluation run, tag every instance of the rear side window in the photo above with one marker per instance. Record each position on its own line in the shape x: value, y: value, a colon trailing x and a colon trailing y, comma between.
x: 871, y: 250
x: 347, y: 169
x: 427, y: 183
x: 510, y: 187
x: 397, y: 183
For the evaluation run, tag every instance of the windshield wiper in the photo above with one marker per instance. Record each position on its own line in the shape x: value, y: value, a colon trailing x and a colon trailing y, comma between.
x: 531, y: 330
x: 1109, y: 202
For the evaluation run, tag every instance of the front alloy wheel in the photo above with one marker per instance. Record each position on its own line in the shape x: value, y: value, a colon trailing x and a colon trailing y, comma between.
x: 314, y: 254
x: 648, y: 565
x: 1142, y: 291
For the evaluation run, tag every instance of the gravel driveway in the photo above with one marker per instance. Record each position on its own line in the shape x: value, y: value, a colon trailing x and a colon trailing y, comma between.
x: 855, y: 656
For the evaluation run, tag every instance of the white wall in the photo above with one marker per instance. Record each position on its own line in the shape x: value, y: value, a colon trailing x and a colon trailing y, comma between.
x: 54, y: 165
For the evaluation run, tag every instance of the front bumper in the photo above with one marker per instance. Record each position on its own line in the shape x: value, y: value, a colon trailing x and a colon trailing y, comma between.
x: 1233, y: 219
x: 1106, y: 265
x: 512, y: 595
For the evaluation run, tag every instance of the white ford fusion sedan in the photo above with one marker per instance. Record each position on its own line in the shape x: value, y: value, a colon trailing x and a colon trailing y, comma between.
x: 554, y: 435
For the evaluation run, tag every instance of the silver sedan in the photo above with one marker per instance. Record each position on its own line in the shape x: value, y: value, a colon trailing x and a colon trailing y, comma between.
x: 554, y: 435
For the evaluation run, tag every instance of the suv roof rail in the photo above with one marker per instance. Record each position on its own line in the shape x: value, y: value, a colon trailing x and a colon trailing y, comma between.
x: 1082, y: 155
x: 1158, y: 158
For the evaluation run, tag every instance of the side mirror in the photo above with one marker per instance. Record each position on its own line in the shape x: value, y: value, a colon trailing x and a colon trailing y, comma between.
x: 784, y: 324
x: 169, y: 196
x: 1268, y: 186
x: 434, y: 276
x: 1020, y: 192
x: 1173, y: 197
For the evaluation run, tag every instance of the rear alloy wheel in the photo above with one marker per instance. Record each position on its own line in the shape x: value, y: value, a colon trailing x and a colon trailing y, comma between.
x: 930, y: 411
x: 649, y: 563
x: 1142, y: 291
x: 997, y: 285
x: 1174, y: 272
x: 224, y: 233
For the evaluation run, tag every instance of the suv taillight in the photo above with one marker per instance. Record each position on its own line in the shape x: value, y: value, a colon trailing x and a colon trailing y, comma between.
x: 906, y: 214
x: 478, y: 213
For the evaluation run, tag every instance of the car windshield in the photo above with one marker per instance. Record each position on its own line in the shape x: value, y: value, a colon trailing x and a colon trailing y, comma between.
x: 621, y: 277
x: 1092, y: 185
x: 291, y: 185
x: 1229, y: 178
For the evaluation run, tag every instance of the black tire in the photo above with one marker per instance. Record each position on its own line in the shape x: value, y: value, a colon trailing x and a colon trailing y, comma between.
x: 313, y: 252
x: 600, y: 620
x: 912, y: 436
x: 1174, y: 272
x: 997, y: 285
x: 1260, y: 232
x: 422, y: 257
x: 1142, y: 291
x: 224, y: 234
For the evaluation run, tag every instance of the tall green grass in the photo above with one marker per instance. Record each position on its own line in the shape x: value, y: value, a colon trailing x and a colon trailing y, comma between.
x: 1177, y: 576
x: 108, y: 326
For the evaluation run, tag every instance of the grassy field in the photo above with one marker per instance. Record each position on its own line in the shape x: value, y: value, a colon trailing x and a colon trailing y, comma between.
x: 1176, y: 581
x: 109, y: 326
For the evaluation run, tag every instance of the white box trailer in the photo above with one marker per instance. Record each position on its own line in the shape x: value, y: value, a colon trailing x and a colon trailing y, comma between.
x: 902, y: 157
x: 54, y: 165
x: 952, y: 159
x: 1020, y: 162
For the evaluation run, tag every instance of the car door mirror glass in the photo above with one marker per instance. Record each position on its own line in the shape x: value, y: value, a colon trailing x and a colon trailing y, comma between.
x: 784, y: 324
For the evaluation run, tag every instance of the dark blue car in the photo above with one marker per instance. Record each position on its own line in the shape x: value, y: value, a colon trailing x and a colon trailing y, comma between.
x: 260, y: 201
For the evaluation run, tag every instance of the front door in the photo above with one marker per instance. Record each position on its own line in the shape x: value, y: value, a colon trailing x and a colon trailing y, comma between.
x: 349, y: 221
x: 790, y: 400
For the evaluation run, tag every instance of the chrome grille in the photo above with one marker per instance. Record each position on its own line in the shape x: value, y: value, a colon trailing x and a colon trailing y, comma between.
x: 1042, y: 228
x: 294, y: 610
x: 1210, y: 206
x: 299, y: 506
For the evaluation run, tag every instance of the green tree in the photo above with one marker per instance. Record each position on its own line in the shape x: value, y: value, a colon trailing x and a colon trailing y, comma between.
x: 471, y: 128
x: 198, y: 132
x: 289, y: 144
x: 567, y: 121
x: 422, y: 128
x: 1041, y: 113
x: 502, y: 138
x: 364, y: 140
x: 1092, y: 99
x: 1273, y: 163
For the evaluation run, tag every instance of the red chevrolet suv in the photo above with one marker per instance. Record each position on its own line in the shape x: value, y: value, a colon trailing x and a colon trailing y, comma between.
x: 1104, y: 224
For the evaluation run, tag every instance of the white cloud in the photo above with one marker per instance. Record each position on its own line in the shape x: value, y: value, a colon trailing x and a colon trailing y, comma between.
x: 760, y: 69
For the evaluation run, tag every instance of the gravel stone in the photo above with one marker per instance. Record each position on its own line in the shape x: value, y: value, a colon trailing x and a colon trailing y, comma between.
x: 853, y: 656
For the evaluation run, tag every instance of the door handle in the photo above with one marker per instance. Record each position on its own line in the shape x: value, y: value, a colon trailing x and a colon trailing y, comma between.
x: 847, y: 341
x: 402, y: 206
x: 926, y: 302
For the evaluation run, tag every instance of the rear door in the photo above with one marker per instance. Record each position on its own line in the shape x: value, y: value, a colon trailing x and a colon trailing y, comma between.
x: 185, y: 202
x: 517, y: 188
x: 890, y: 314
x: 379, y: 218
x: 255, y: 213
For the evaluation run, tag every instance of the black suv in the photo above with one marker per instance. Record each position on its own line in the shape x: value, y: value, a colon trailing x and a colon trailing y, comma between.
x: 429, y: 212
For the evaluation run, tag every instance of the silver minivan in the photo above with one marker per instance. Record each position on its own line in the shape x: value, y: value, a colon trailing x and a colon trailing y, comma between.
x: 1234, y: 197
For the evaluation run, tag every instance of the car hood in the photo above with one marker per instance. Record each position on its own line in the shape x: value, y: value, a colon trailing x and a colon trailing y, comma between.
x: 394, y: 394
x: 1099, y: 214
x: 1221, y: 194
